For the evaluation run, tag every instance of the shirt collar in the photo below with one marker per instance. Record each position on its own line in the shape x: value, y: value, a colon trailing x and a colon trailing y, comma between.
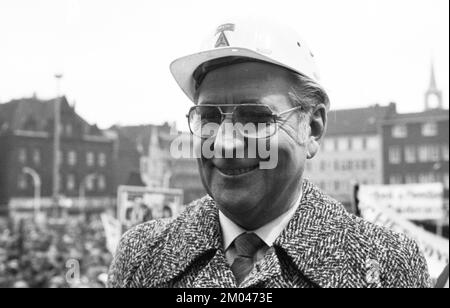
x: 268, y: 233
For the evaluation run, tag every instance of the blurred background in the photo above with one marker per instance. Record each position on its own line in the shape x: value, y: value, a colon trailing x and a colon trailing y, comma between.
x: 88, y: 111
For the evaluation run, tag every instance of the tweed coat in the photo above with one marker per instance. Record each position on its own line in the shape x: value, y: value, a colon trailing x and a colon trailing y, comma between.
x: 322, y: 246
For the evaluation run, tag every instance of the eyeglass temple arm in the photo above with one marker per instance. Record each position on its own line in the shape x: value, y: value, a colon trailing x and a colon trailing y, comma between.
x: 288, y: 111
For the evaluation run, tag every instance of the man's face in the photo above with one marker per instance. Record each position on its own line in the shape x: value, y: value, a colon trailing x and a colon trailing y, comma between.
x: 248, y: 195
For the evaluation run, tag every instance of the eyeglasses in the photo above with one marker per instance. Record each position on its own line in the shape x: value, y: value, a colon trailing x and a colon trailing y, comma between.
x: 250, y: 120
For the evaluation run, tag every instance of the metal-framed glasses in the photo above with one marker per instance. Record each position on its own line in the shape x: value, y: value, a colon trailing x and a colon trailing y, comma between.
x: 249, y: 120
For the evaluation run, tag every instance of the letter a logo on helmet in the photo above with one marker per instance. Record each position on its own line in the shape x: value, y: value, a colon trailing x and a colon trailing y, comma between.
x: 222, y: 41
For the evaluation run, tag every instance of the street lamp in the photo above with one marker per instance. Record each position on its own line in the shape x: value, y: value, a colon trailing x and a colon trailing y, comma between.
x: 56, y: 140
x: 37, y: 188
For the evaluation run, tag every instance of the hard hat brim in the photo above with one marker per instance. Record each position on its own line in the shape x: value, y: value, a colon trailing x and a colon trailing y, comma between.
x: 183, y: 68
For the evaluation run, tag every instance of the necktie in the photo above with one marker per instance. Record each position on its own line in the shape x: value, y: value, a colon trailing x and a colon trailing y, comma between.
x: 247, y: 245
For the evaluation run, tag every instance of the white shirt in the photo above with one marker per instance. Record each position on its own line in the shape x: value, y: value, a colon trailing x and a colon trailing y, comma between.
x: 268, y: 233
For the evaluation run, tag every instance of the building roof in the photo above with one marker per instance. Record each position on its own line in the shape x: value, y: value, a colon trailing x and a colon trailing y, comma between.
x: 17, y: 114
x: 423, y: 116
x: 143, y: 135
x: 358, y: 121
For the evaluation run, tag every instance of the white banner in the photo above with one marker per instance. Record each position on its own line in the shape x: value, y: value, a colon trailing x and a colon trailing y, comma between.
x: 434, y: 247
x: 411, y: 201
x: 136, y: 205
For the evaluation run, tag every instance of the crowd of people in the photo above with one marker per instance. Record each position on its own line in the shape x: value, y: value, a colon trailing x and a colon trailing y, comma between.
x: 53, y: 253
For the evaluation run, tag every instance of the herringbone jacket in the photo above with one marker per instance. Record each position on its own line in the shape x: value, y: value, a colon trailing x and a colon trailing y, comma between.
x: 322, y: 246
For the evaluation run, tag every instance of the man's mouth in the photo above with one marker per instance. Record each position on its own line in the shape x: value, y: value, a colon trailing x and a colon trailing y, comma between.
x: 236, y: 171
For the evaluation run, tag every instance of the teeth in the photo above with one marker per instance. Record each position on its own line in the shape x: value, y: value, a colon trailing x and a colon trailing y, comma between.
x: 236, y: 171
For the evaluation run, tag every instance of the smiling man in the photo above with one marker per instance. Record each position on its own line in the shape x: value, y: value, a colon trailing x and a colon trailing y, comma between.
x: 255, y: 86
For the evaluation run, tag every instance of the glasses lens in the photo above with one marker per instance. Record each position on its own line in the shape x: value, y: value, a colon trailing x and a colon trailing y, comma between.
x: 257, y: 121
x: 204, y: 121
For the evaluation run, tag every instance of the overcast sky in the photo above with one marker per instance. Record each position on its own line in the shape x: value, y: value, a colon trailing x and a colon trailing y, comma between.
x: 115, y: 54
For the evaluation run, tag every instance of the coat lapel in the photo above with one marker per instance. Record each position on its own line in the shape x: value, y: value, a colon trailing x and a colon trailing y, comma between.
x: 311, y: 247
x: 314, y: 239
x: 193, y: 235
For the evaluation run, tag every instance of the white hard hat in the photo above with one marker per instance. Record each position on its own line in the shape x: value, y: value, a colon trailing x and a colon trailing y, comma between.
x: 255, y: 39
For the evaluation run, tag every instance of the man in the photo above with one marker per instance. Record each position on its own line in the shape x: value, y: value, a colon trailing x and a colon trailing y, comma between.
x: 260, y: 227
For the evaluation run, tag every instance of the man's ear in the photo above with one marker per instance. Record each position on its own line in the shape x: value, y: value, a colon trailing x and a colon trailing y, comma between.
x: 318, y: 124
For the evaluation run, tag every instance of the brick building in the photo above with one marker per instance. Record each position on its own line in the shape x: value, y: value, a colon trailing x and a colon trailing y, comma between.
x: 26, y: 140
x: 416, y: 148
x: 416, y: 144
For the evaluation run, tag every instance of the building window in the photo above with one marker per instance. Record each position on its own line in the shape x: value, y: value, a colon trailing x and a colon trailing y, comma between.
x: 337, y: 185
x: 410, y: 179
x: 336, y: 165
x: 22, y: 183
x: 410, y: 154
x: 23, y: 155
x: 90, y: 159
x: 364, y: 143
x: 427, y: 177
x: 89, y: 182
x: 399, y: 131
x: 342, y: 144
x: 445, y: 152
x: 395, y: 179
x: 350, y: 165
x: 357, y: 144
x: 69, y: 130
x: 102, y: 159
x: 395, y: 155
x: 350, y: 144
x: 423, y: 153
x: 373, y: 143
x: 101, y: 182
x: 70, y: 182
x: 445, y: 181
x: 428, y: 153
x: 72, y: 158
x: 37, y: 157
x: 329, y: 145
x: 429, y: 129
x: 434, y: 153
x: 364, y: 164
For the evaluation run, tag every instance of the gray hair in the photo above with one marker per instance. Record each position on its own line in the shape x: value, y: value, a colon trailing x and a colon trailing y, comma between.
x: 308, y: 94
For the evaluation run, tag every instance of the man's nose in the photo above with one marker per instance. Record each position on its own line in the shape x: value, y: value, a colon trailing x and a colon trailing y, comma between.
x: 228, y: 142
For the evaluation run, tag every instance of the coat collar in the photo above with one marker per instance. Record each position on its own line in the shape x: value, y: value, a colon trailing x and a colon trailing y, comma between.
x: 194, y: 234
x: 313, y: 240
